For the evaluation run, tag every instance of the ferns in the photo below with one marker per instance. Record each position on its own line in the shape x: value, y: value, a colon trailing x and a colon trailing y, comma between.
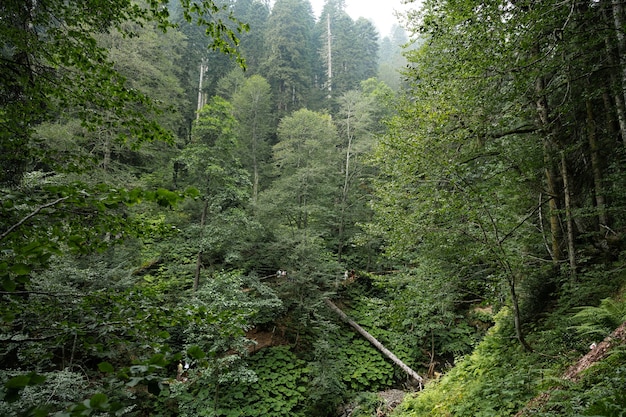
x: 600, y: 320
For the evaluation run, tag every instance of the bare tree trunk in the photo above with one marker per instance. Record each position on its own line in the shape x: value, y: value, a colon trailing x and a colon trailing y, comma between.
x: 201, y: 102
x: 595, y: 166
x: 618, y: 21
x: 375, y: 342
x: 330, y: 57
x: 618, y: 97
x: 555, y: 228
x: 571, y: 247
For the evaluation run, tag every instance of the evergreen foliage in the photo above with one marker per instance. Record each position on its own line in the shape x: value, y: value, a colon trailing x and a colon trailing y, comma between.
x: 173, y: 221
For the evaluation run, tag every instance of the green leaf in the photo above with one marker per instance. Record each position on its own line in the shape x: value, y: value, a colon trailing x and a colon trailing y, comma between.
x: 20, y: 269
x: 19, y: 381
x: 98, y: 400
x: 196, y: 353
x: 158, y: 359
x: 105, y: 367
x: 36, y: 379
x: 134, y: 381
x: 8, y: 284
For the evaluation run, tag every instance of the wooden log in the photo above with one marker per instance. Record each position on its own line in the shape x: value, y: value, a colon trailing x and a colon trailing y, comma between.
x: 376, y: 343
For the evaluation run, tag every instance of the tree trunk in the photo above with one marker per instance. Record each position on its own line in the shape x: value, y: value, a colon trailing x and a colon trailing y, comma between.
x: 618, y: 21
x: 517, y: 321
x: 571, y: 247
x: 330, y: 58
x: 201, y: 101
x: 618, y: 97
x: 375, y: 342
x: 595, y: 166
x: 598, y: 353
x: 550, y: 172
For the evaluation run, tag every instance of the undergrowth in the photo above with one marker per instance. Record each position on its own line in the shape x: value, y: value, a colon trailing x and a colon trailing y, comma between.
x: 499, y: 378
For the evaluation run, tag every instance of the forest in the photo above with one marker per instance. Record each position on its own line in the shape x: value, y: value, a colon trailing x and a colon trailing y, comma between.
x: 237, y: 208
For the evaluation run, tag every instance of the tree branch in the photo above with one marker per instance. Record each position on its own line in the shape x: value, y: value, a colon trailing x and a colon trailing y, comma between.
x: 31, y: 215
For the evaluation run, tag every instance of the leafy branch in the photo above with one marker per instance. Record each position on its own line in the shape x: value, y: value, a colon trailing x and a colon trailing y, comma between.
x: 30, y: 216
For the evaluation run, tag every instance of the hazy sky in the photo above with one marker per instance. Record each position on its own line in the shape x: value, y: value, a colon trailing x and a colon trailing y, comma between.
x: 381, y: 12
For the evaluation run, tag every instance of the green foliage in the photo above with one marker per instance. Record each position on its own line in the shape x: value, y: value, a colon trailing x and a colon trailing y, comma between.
x: 601, y: 320
x: 53, y: 57
x: 252, y: 104
x: 502, y: 101
x: 276, y: 389
x: 599, y: 392
x: 494, y: 380
x: 223, y: 313
x: 418, y: 313
x: 326, y: 388
x: 289, y: 57
x: 366, y: 405
x: 365, y: 368
x: 281, y: 385
x: 298, y: 200
x: 353, y: 49
x: 77, y: 218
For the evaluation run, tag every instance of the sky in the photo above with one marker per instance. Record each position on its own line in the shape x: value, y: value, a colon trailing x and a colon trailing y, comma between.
x: 381, y: 12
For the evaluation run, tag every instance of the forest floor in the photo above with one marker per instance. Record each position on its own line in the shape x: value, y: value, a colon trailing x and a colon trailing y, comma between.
x: 573, y: 373
x: 387, y: 401
x: 266, y: 338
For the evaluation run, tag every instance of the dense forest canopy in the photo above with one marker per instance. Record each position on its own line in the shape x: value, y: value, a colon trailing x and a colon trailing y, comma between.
x: 194, y: 194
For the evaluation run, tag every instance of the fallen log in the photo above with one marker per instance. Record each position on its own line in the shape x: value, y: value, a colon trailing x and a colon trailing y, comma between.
x: 376, y: 343
x: 573, y: 374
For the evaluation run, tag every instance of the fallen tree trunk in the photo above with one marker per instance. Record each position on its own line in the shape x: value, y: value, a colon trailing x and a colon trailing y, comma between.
x: 376, y: 343
x: 573, y: 374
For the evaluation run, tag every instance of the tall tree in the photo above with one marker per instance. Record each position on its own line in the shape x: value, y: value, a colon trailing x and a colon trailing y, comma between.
x: 212, y: 165
x: 252, y: 105
x: 349, y: 50
x: 288, y: 63
x: 355, y: 123
x: 366, y: 49
x: 255, y: 13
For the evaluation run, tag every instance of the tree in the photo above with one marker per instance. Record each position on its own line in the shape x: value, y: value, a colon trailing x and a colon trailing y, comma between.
x: 53, y: 61
x: 304, y: 154
x: 366, y: 49
x: 349, y: 50
x: 391, y: 58
x: 295, y: 211
x: 288, y: 63
x: 147, y: 61
x: 212, y: 165
x: 253, y: 104
x: 255, y: 13
x: 490, y: 111
x: 354, y: 122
